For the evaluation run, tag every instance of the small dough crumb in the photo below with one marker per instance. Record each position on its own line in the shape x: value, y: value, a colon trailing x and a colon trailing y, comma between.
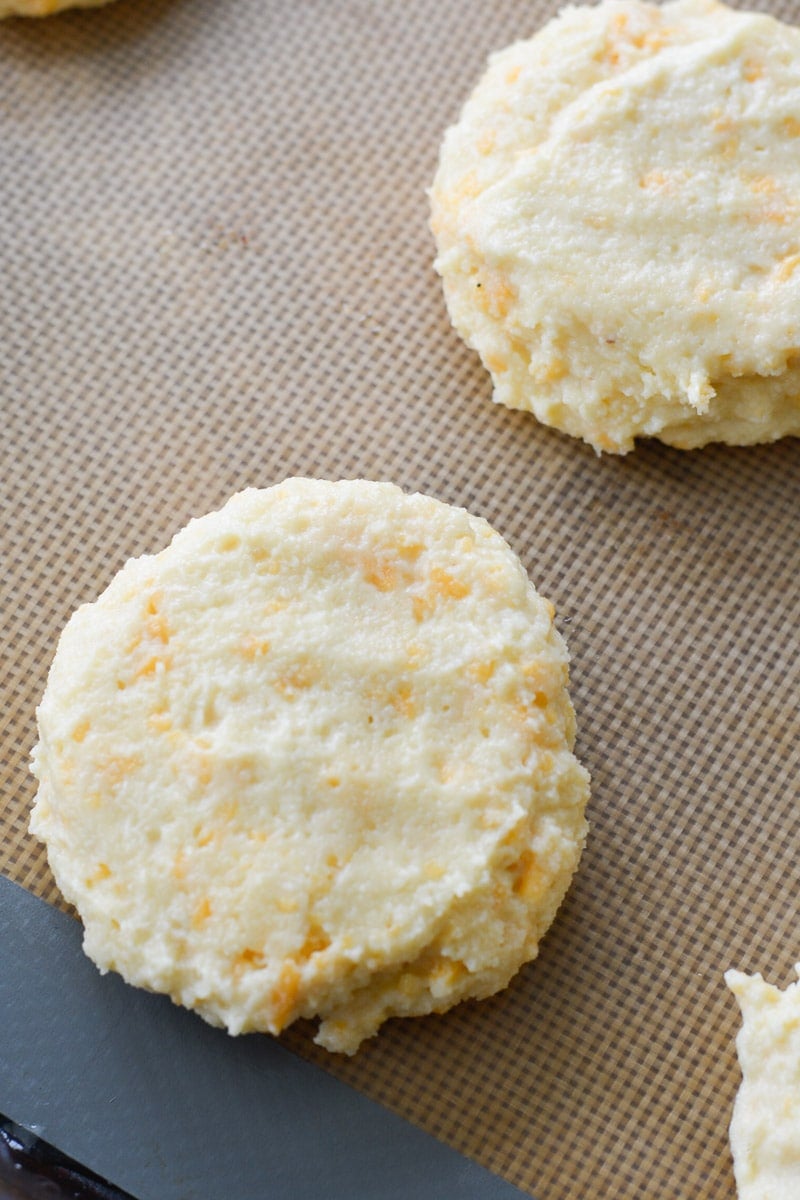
x: 765, y: 1129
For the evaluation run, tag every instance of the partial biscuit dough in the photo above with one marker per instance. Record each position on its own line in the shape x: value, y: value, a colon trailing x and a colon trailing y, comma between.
x: 618, y: 224
x: 43, y: 8
x: 765, y: 1130
x: 314, y: 759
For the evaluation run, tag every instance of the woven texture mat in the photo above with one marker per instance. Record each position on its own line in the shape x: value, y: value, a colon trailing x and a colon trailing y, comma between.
x: 216, y: 272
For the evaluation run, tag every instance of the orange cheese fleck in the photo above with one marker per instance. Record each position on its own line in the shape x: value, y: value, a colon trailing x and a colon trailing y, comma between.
x: 495, y: 363
x: 788, y: 267
x: 253, y: 647
x: 116, y: 768
x: 447, y: 971
x: 81, y: 729
x: 151, y: 665
x: 400, y: 699
x: 528, y: 877
x: 381, y: 574
x: 495, y: 295
x: 284, y: 994
x: 247, y: 960
x: 554, y: 370
x: 445, y: 584
x: 481, y: 671
x: 103, y: 871
x: 316, y: 942
x: 296, y: 680
x: 422, y: 607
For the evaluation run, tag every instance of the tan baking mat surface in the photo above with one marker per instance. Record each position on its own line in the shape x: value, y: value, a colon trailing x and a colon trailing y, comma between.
x: 215, y: 271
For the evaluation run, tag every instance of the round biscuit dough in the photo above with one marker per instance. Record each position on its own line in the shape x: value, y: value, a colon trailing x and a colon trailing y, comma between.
x: 43, y: 8
x: 618, y: 227
x: 314, y: 759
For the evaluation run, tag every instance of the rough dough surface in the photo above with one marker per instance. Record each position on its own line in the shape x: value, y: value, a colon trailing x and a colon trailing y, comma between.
x: 765, y: 1130
x: 43, y: 8
x: 618, y: 224
x: 314, y: 759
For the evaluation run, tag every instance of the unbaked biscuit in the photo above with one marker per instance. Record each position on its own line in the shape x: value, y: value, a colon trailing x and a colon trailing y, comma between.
x: 765, y: 1129
x: 43, y: 8
x: 314, y: 759
x: 618, y: 227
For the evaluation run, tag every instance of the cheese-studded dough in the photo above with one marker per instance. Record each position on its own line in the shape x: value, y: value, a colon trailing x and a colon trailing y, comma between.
x: 43, y: 8
x: 617, y: 214
x: 314, y: 759
x: 765, y: 1130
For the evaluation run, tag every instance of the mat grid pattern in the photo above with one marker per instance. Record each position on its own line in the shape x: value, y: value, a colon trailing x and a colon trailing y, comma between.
x: 216, y: 272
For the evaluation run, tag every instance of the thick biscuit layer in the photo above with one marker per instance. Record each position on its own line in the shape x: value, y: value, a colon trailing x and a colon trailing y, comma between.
x: 765, y: 1130
x: 618, y: 224
x: 314, y: 759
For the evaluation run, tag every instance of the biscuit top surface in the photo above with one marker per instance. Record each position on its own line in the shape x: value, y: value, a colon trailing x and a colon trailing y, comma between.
x: 299, y: 733
x: 625, y: 186
x: 765, y: 1130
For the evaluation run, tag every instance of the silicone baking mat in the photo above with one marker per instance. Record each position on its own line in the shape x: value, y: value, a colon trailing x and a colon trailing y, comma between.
x: 216, y: 272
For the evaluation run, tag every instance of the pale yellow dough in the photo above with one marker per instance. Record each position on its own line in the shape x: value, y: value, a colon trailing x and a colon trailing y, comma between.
x: 314, y: 759
x: 617, y: 216
x: 765, y: 1130
x: 43, y: 8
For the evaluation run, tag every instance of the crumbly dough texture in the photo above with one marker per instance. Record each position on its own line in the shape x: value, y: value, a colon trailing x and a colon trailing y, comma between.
x: 314, y: 759
x: 618, y: 225
x: 765, y: 1129
x: 43, y: 8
